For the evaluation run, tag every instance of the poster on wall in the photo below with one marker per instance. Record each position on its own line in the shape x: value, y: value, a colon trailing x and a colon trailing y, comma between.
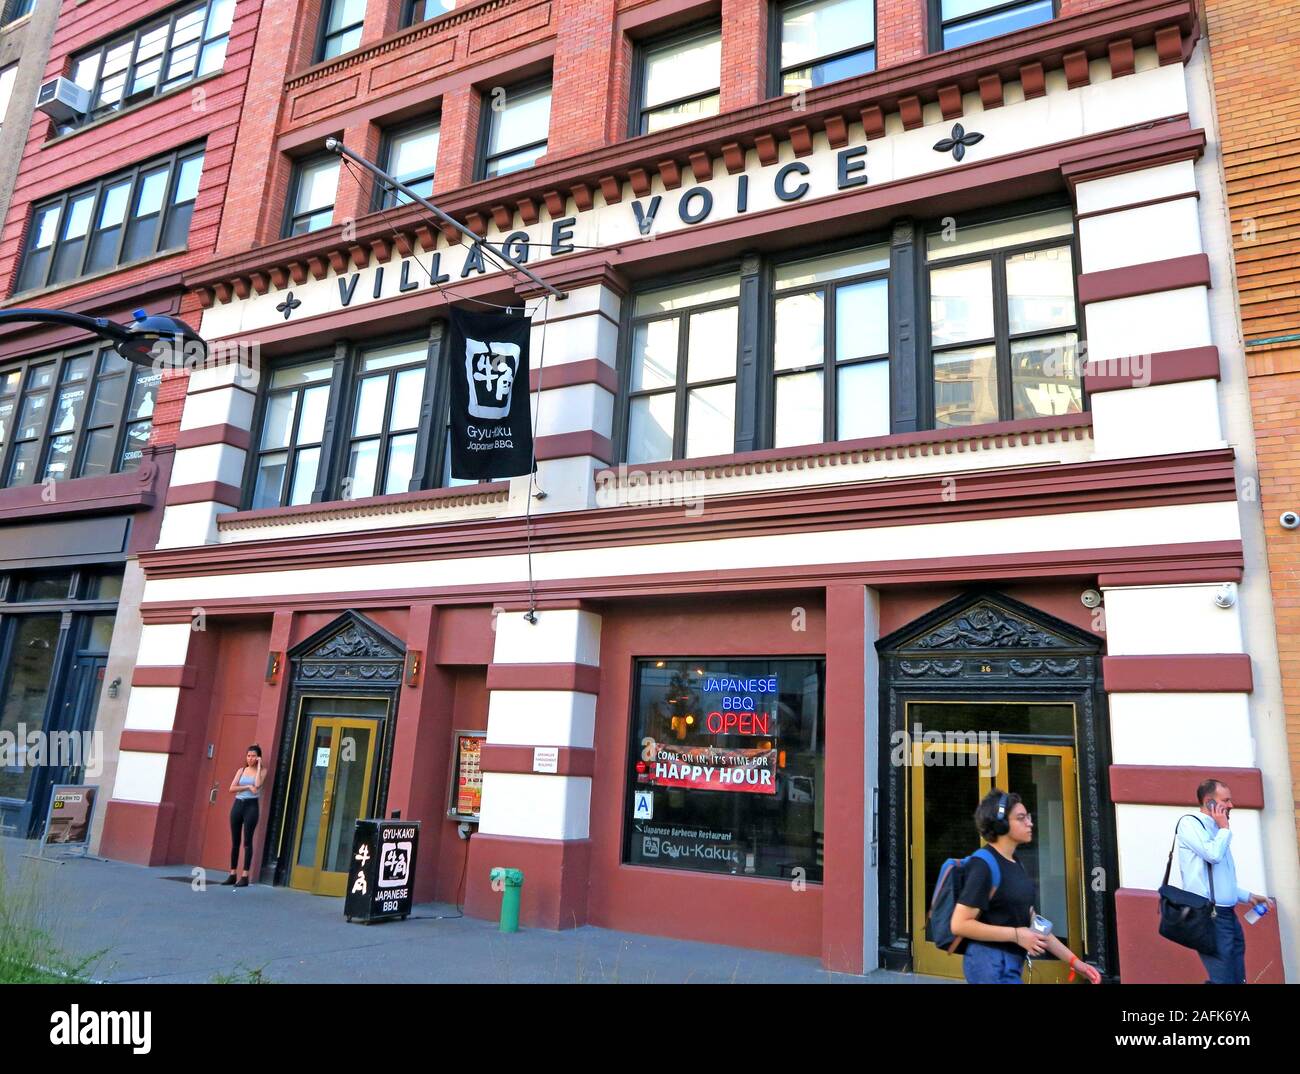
x: 491, y: 421
x: 466, y: 794
x: 713, y: 768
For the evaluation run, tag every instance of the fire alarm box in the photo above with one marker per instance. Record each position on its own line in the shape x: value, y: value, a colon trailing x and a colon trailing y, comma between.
x: 465, y: 786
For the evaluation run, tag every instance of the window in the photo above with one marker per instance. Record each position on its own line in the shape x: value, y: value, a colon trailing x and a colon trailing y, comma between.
x: 15, y: 9
x: 963, y: 22
x: 823, y: 41
x: 7, y: 77
x: 81, y: 414
x: 293, y: 427
x: 341, y: 22
x: 511, y: 124
x: 414, y: 11
x: 311, y: 194
x: 755, y: 808
x: 678, y: 80
x: 409, y: 153
x: 155, y: 57
x: 385, y: 419
x: 1003, y: 321
x: 830, y: 348
x: 682, y: 373
x: 123, y: 218
x: 372, y: 398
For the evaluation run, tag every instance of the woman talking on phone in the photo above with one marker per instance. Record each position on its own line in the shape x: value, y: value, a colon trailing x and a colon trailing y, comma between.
x: 998, y: 921
x: 247, y: 785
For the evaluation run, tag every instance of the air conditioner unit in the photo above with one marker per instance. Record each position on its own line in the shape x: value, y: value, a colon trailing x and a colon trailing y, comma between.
x: 63, y: 100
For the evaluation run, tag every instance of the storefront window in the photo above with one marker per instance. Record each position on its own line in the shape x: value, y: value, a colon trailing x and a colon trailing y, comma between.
x: 1003, y: 332
x: 34, y: 587
x: 35, y: 638
x: 726, y: 767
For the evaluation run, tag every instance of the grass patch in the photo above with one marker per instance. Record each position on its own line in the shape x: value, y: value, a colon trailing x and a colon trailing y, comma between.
x: 29, y: 952
x: 243, y: 975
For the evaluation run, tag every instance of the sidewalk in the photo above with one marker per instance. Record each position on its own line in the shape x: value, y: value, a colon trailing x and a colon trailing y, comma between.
x: 155, y: 928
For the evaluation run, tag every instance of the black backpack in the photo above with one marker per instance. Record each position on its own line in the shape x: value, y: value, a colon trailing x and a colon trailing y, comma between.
x: 952, y: 878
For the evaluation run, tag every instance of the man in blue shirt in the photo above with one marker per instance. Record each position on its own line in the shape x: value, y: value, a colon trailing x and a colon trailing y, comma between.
x: 1204, y: 851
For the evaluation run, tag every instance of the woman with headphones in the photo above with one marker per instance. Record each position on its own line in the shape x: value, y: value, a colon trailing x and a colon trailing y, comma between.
x: 996, y: 920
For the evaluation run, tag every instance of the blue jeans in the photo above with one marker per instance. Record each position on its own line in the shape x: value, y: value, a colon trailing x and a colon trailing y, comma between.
x: 983, y: 964
x: 1228, y: 966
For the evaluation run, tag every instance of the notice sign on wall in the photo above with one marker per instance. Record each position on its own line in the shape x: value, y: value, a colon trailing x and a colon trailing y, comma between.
x: 709, y: 768
x: 466, y: 797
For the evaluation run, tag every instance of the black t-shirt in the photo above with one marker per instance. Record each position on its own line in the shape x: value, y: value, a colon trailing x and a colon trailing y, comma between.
x: 1010, y: 904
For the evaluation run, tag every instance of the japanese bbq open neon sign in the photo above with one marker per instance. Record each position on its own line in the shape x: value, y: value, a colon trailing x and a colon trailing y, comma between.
x: 738, y: 711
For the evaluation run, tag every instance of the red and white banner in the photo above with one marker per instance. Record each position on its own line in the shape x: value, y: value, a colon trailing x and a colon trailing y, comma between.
x: 709, y: 768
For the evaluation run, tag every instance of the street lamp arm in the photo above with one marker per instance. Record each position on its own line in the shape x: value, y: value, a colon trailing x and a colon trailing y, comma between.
x: 136, y: 342
x: 99, y: 326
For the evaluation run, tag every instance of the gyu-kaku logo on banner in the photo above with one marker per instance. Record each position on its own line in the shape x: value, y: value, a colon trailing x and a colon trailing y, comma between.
x: 491, y: 423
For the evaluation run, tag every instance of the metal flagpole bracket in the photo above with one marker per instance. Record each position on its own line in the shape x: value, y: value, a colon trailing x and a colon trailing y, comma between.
x: 334, y: 145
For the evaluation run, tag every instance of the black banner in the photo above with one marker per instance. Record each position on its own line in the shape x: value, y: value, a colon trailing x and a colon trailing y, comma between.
x: 491, y: 426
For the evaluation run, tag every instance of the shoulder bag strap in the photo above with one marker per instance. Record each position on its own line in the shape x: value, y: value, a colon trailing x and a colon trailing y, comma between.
x: 1209, y: 866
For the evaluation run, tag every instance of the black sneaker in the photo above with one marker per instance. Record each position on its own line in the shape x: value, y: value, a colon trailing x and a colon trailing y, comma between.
x: 242, y: 882
x: 228, y: 881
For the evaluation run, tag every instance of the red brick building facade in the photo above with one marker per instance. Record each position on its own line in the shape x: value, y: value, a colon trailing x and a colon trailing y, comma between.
x: 917, y: 543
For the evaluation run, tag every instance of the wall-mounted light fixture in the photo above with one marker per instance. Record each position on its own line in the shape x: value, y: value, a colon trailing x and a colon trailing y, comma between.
x: 272, y: 666
x: 414, y: 662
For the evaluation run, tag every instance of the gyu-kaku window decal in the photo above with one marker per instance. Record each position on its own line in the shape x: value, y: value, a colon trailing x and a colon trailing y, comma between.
x: 491, y: 423
x: 726, y: 764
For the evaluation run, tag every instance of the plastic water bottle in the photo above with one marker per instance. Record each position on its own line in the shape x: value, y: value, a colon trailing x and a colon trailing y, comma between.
x: 1256, y: 912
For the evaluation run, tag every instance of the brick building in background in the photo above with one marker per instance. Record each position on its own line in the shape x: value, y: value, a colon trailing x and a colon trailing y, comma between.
x: 816, y: 441
x: 116, y: 197
x: 1257, y: 95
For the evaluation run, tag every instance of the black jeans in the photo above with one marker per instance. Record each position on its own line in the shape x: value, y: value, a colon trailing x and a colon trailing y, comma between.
x: 243, y: 817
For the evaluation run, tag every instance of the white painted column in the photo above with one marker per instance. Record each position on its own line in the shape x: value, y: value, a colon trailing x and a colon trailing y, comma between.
x: 574, y: 354
x: 1170, y: 728
x: 140, y: 774
x: 531, y: 805
x: 211, y: 455
x: 1147, y: 217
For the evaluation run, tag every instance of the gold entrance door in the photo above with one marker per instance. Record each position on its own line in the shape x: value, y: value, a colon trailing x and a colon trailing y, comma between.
x: 1043, y: 776
x: 335, y: 777
x: 947, y: 782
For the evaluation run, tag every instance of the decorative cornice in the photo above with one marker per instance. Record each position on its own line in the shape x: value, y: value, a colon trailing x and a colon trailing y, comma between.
x: 903, y: 89
x: 419, y: 32
x: 1064, y: 428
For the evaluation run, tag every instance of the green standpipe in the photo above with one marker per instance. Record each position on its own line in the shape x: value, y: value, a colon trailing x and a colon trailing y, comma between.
x: 508, y: 881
